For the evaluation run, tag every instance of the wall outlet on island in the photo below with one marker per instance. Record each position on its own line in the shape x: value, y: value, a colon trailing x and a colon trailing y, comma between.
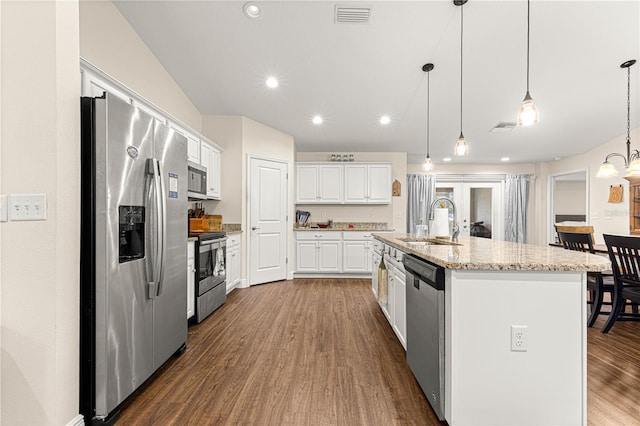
x: 519, y: 338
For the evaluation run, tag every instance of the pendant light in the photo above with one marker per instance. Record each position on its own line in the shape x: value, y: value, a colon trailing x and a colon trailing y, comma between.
x: 427, y: 166
x: 632, y: 159
x: 528, y: 113
x: 461, y: 146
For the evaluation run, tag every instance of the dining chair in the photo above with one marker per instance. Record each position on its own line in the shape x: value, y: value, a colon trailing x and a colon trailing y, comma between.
x: 624, y: 252
x: 575, y: 228
x: 597, y: 283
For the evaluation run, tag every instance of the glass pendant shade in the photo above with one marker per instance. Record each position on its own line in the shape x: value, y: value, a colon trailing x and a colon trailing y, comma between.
x: 528, y: 113
x: 607, y: 170
x: 461, y: 146
x: 427, y: 165
x: 634, y: 168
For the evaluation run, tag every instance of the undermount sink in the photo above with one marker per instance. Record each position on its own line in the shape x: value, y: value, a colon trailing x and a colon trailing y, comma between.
x: 422, y: 242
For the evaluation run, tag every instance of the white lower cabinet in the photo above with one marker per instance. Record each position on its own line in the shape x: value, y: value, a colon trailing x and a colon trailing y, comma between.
x: 191, y: 279
x: 233, y: 261
x: 346, y: 252
x: 396, y: 307
x: 357, y: 251
x: 319, y: 252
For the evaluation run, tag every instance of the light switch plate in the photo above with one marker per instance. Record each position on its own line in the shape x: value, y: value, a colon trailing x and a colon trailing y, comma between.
x: 27, y: 207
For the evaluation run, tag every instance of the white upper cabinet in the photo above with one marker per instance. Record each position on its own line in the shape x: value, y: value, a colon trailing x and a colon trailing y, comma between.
x: 330, y: 183
x: 193, y: 149
x: 319, y: 183
x: 367, y: 183
x: 210, y: 158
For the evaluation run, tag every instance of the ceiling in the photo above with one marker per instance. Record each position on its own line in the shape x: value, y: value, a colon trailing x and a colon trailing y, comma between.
x: 352, y: 74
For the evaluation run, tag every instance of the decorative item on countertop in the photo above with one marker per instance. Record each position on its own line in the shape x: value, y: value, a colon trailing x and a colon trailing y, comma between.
x: 382, y: 281
x: 615, y: 194
x: 395, y: 188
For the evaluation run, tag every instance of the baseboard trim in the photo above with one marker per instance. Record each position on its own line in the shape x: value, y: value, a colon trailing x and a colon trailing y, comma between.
x: 76, y: 421
x: 332, y: 275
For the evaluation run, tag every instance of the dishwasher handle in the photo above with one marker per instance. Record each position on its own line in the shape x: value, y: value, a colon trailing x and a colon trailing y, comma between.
x: 423, y: 270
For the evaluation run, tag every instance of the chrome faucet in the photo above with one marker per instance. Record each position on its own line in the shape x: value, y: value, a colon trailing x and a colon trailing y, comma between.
x: 456, y: 227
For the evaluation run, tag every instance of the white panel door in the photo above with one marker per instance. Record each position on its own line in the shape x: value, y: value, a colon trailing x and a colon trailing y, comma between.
x: 355, y: 183
x: 267, y: 221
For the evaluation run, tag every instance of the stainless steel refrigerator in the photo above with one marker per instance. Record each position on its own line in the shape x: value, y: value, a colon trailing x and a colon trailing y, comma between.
x: 133, y: 293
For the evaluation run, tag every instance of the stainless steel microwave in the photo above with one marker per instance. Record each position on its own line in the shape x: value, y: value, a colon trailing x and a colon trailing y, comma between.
x: 196, y: 181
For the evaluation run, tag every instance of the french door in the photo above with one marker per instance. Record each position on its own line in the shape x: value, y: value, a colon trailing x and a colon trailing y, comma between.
x: 480, y: 207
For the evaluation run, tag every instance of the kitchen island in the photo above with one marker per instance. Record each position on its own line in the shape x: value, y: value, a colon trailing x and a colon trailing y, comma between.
x: 490, y: 287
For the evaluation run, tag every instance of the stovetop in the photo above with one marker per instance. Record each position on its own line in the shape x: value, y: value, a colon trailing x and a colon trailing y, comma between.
x: 208, y: 235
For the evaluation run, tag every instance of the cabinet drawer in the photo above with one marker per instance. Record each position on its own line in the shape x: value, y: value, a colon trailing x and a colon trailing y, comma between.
x: 357, y: 235
x: 318, y: 235
x: 233, y: 240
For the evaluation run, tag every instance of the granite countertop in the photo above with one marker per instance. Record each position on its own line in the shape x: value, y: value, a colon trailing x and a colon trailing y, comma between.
x: 191, y: 239
x: 234, y: 232
x: 344, y: 226
x: 486, y: 254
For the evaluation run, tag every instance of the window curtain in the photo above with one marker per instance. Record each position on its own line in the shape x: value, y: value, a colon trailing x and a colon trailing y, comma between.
x: 517, y: 200
x: 421, y: 190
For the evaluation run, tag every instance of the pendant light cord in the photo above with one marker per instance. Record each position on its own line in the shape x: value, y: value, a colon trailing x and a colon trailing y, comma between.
x: 428, y: 93
x: 628, y: 105
x: 528, y: 31
x: 461, y: 37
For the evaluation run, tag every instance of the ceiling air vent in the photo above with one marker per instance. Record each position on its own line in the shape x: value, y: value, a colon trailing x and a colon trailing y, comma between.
x: 352, y: 14
x: 503, y: 126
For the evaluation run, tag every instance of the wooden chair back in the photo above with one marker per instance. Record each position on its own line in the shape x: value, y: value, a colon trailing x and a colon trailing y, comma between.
x: 577, y: 241
x: 624, y: 253
x: 576, y: 228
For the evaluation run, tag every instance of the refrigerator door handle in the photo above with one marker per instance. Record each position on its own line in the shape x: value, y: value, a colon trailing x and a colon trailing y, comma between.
x: 152, y: 169
x: 162, y: 227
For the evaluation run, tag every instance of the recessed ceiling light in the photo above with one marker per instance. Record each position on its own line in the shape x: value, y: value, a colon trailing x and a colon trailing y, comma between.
x: 446, y: 159
x: 505, y: 159
x: 272, y: 82
x: 385, y: 119
x: 252, y: 10
x: 557, y: 158
x: 317, y: 120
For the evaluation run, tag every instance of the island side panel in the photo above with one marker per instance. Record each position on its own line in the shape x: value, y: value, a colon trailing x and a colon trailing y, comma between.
x: 487, y: 383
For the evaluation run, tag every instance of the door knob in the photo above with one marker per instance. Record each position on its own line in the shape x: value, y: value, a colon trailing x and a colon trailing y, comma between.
x: 253, y: 228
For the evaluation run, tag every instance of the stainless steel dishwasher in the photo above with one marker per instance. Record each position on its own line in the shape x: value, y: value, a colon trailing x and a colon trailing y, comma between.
x: 425, y: 328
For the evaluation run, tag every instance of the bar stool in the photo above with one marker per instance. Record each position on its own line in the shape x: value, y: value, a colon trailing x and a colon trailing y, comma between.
x: 597, y: 283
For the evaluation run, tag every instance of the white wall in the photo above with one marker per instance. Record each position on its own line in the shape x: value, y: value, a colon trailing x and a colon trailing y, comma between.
x: 241, y: 137
x: 39, y: 267
x: 108, y: 42
x: 394, y: 214
x: 611, y: 218
x: 569, y: 197
x: 226, y: 131
x: 264, y: 141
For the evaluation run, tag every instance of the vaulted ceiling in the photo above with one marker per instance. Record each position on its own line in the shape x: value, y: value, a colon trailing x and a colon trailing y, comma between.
x: 353, y: 73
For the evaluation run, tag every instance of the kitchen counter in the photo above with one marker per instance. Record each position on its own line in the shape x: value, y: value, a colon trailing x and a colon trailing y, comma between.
x: 492, y: 290
x: 493, y: 255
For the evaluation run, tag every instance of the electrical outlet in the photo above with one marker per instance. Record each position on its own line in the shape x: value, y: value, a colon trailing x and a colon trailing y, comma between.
x: 519, y: 338
x: 27, y: 207
x: 323, y: 213
x: 373, y: 215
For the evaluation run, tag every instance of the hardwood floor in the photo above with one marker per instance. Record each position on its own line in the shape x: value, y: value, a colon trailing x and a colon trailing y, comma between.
x: 320, y: 352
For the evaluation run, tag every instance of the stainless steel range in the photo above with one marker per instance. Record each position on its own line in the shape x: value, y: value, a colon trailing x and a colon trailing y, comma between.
x: 211, y: 277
